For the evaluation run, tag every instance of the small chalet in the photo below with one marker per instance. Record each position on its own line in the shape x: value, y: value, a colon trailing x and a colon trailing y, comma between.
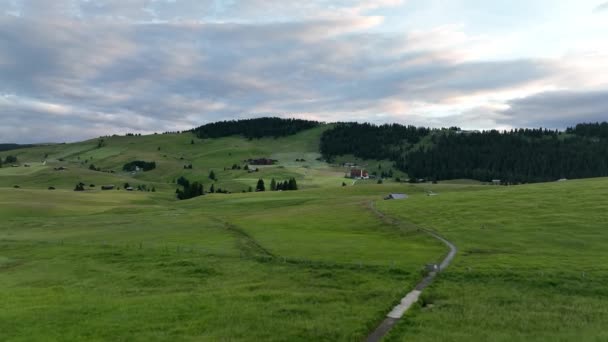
x: 359, y: 174
x: 261, y: 161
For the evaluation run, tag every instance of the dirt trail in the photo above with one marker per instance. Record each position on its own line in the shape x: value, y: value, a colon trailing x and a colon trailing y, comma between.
x: 412, y: 297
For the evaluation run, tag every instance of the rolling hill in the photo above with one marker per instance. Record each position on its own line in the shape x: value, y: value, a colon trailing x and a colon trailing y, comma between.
x: 319, y: 263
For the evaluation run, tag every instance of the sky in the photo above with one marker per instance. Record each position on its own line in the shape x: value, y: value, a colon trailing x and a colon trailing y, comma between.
x: 77, y: 69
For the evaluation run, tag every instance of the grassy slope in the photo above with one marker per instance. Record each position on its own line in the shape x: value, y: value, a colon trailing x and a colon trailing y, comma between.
x: 204, y: 155
x: 531, y: 266
x: 141, y: 266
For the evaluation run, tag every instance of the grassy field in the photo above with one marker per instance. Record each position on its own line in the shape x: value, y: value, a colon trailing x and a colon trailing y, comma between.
x: 316, y: 264
x: 135, y: 266
x: 532, y: 264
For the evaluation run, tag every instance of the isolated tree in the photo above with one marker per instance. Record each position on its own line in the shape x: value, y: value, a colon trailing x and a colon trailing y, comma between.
x: 380, y: 181
x: 10, y: 159
x: 250, y: 189
x: 260, y: 186
x: 273, y: 185
x: 212, y: 175
x: 79, y: 187
x: 192, y: 142
x: 212, y: 189
x: 343, y: 184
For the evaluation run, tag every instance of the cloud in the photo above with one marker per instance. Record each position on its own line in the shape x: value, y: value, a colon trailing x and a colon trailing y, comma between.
x: 601, y: 7
x: 75, y: 69
x: 558, y: 109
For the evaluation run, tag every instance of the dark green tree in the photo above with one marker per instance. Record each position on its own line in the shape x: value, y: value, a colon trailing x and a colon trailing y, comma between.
x: 273, y: 185
x: 260, y: 186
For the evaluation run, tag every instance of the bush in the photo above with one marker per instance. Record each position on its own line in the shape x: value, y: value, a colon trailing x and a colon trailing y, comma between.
x: 145, y: 166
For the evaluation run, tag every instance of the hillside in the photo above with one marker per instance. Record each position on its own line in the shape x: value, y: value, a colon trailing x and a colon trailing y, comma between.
x: 172, y: 152
x: 326, y: 262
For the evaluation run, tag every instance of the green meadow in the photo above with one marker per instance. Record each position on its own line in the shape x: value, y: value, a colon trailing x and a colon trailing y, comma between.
x: 317, y: 264
x: 532, y: 264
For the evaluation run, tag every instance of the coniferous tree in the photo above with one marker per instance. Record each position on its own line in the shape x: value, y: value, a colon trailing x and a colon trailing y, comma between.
x: 212, y: 189
x: 212, y: 175
x: 292, y: 185
x: 260, y: 186
x: 254, y: 128
x: 273, y: 185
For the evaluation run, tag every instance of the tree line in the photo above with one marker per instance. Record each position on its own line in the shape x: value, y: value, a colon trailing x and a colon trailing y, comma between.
x: 369, y: 141
x: 514, y: 156
x: 597, y: 130
x: 518, y: 156
x: 254, y: 128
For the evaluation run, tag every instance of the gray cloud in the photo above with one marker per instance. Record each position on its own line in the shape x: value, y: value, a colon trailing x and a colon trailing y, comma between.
x: 558, y: 109
x: 82, y: 70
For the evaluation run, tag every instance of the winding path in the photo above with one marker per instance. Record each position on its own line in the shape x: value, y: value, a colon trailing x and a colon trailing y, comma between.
x: 406, y: 303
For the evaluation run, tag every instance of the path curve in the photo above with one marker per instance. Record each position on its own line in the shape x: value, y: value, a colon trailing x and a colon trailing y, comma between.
x: 406, y: 303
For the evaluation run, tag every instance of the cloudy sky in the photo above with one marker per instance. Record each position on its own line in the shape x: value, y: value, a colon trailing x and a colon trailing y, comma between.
x: 76, y: 69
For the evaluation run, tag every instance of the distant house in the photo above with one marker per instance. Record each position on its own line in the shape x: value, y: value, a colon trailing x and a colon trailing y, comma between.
x: 61, y: 168
x: 358, y: 174
x: 261, y: 161
x: 396, y: 197
x: 252, y: 169
x: 563, y: 180
x: 129, y: 188
x: 107, y: 187
x: 496, y: 181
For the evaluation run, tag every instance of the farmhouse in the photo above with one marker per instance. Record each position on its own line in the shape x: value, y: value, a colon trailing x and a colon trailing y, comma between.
x: 359, y: 174
x: 129, y: 188
x: 261, y: 161
x: 496, y: 181
x: 396, y: 197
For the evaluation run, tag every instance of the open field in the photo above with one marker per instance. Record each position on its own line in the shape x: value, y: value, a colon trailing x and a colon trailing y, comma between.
x: 118, y: 265
x: 532, y: 264
x: 315, y: 264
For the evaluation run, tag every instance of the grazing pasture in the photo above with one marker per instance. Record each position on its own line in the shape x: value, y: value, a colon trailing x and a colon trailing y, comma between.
x: 317, y: 264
